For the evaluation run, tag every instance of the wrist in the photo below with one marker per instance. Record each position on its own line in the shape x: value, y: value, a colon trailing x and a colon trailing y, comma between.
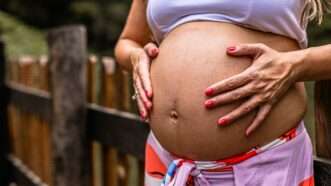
x: 134, y: 54
x: 299, y: 60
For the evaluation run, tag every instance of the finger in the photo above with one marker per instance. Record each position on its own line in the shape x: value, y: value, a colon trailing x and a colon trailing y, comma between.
x: 231, y: 96
x: 242, y: 110
x: 252, y: 50
x: 260, y: 117
x: 228, y: 84
x: 142, y: 109
x: 151, y: 49
x: 147, y: 103
x: 144, y: 75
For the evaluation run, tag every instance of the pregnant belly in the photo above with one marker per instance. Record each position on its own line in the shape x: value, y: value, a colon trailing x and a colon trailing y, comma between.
x: 191, y: 58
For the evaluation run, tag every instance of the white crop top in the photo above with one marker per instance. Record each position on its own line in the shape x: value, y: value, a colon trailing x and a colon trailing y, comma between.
x: 282, y: 17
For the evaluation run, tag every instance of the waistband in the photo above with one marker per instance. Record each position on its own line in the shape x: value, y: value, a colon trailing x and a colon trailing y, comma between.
x: 181, y: 171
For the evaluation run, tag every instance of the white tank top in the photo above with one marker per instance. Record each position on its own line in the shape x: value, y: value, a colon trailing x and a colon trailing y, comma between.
x: 282, y: 17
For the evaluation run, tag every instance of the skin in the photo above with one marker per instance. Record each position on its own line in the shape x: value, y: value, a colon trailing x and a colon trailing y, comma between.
x: 134, y: 51
x: 274, y: 71
x: 269, y: 78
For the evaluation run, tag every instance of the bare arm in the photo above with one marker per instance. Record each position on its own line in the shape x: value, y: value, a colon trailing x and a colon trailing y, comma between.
x: 135, y: 35
x: 315, y: 64
x: 268, y: 78
x: 134, y: 51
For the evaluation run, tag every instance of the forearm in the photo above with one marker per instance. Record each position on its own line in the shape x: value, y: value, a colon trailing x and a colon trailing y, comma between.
x: 123, y: 50
x: 314, y: 63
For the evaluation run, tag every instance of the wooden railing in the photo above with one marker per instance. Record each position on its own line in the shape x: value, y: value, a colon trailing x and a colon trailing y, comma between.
x: 58, y: 138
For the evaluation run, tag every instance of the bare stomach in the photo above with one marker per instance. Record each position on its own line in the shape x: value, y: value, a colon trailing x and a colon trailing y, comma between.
x: 192, y: 57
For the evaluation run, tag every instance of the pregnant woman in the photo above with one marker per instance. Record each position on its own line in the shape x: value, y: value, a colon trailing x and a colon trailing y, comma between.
x: 217, y: 118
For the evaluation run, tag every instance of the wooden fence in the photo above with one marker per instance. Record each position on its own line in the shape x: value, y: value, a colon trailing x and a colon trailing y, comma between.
x: 67, y: 119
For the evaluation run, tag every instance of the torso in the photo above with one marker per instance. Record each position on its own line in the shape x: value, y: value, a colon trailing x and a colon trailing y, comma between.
x: 191, y: 58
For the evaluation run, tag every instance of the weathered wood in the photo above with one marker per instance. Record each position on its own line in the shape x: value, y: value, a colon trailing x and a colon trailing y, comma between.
x: 67, y: 46
x: 4, y: 131
x: 96, y: 148
x: 119, y: 129
x: 323, y: 118
x: 30, y: 100
x: 322, y: 172
x: 22, y: 175
x: 110, y: 100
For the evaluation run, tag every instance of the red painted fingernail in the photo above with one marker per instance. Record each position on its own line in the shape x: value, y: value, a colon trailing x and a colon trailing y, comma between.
x: 149, y: 105
x: 223, y: 121
x: 142, y: 115
x: 231, y: 49
x: 154, y: 51
x: 209, y: 103
x: 209, y: 91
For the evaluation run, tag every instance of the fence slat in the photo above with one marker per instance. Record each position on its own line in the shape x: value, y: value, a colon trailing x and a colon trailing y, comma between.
x: 322, y: 171
x: 119, y: 129
x: 323, y: 118
x: 4, y: 131
x: 67, y: 46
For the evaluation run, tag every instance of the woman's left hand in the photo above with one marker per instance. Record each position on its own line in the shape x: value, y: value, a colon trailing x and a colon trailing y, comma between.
x: 263, y: 83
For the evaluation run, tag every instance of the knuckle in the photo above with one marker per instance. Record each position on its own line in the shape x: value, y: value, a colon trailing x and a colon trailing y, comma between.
x: 247, y: 108
x: 259, y: 100
x: 230, y: 84
x: 258, y: 86
x: 261, y: 45
x: 253, y: 76
x: 236, y: 95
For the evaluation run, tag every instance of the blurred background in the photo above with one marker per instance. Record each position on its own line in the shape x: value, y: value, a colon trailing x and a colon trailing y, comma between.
x: 27, y: 20
x: 23, y: 26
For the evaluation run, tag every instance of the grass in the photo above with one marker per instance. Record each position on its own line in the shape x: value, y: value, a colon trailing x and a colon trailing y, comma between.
x: 21, y: 39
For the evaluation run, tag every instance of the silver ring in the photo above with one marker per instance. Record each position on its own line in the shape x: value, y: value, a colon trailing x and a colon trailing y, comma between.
x: 134, y: 96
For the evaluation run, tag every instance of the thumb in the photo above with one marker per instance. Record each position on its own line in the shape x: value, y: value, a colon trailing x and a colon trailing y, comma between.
x: 252, y: 50
x: 151, y: 49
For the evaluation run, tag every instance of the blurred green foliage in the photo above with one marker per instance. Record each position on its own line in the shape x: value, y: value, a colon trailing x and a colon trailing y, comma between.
x: 20, y: 38
x: 320, y: 34
x: 104, y: 19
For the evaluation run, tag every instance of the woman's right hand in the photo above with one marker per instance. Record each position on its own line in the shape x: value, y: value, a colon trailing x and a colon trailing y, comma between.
x: 141, y: 62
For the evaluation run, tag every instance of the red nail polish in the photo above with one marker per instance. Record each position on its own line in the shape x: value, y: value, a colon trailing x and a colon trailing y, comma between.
x: 142, y: 114
x: 223, y: 121
x: 209, y: 91
x: 231, y: 49
x: 209, y: 103
x: 155, y: 51
x: 149, y: 105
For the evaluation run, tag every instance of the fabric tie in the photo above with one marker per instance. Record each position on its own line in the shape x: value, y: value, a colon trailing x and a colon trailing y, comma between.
x: 180, y: 170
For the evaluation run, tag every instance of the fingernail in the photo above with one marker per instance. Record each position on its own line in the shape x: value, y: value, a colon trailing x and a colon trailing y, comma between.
x: 142, y: 115
x: 209, y: 91
x: 209, y: 103
x: 231, y: 49
x: 154, y: 51
x: 149, y: 105
x: 247, y: 133
x: 223, y: 121
x: 149, y: 94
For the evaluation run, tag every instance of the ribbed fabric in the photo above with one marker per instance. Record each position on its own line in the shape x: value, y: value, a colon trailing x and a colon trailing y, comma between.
x: 286, y: 161
x: 282, y: 17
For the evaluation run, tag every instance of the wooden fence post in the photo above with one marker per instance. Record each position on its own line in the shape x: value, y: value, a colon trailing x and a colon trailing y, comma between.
x: 67, y: 47
x: 4, y: 137
x: 323, y: 118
